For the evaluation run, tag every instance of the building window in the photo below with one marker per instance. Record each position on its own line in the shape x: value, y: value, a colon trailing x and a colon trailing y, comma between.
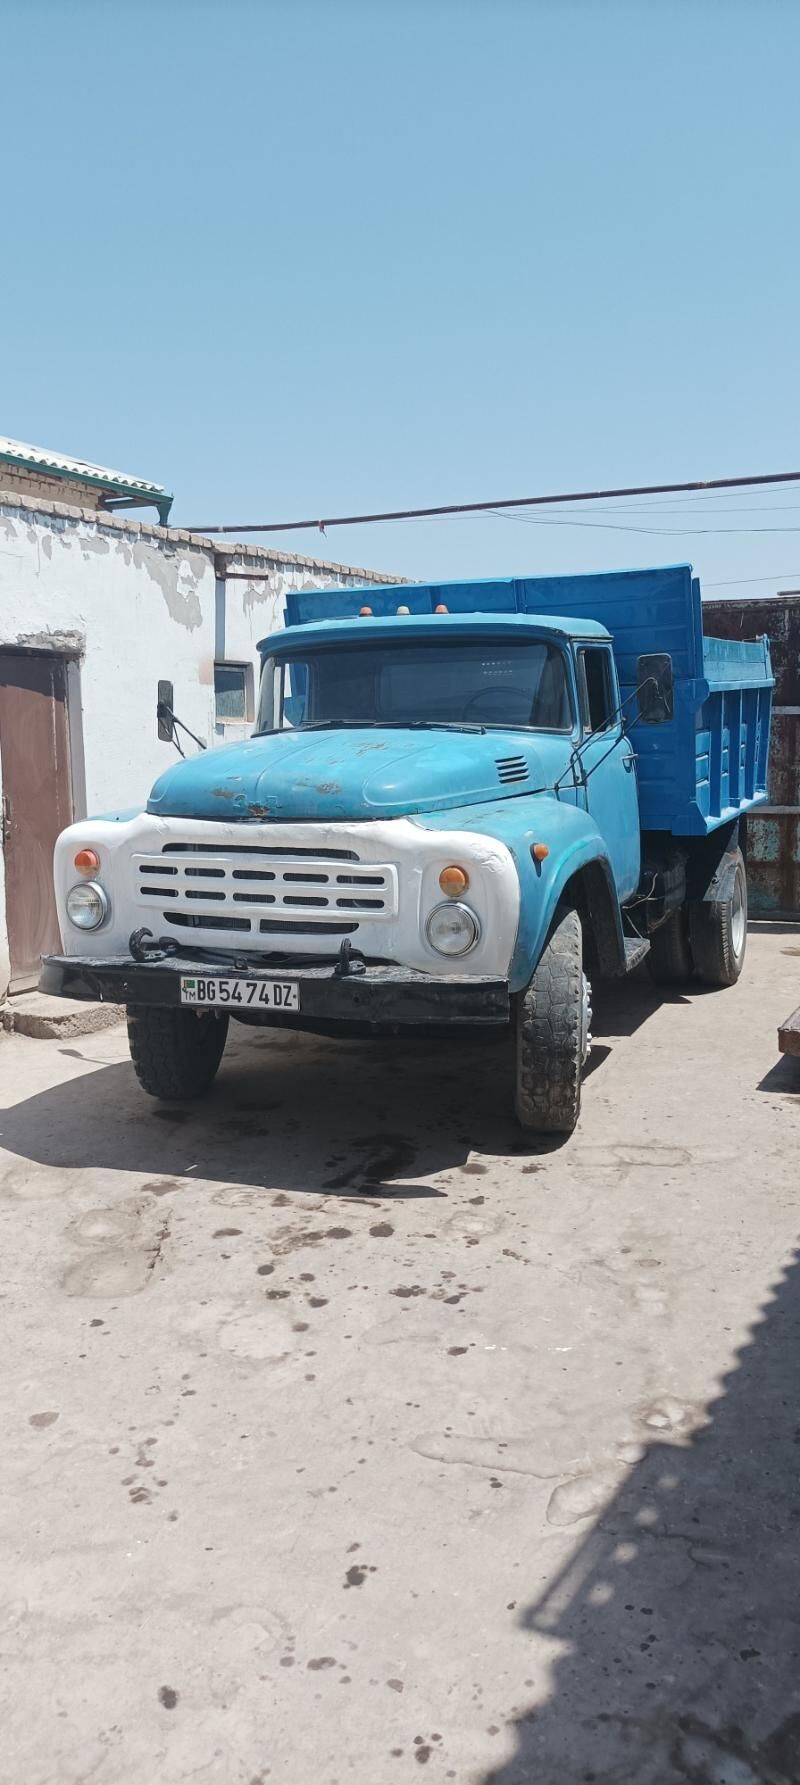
x: 233, y: 684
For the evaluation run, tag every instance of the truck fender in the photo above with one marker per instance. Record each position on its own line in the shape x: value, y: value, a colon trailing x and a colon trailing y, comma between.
x: 594, y: 895
x: 577, y: 872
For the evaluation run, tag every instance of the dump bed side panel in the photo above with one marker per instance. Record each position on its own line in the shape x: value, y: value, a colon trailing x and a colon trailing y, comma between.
x: 773, y: 834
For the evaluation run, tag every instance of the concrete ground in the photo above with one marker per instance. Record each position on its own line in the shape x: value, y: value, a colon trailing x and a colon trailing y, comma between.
x: 345, y: 1433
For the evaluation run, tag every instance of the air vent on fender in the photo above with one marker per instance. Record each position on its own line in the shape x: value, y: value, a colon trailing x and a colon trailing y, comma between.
x: 512, y: 768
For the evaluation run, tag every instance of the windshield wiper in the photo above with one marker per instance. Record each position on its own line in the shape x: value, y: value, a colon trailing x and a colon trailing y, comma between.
x: 430, y: 725
x: 393, y: 725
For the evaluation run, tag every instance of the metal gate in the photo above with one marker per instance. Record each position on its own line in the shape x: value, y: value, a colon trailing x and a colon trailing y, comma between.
x: 773, y: 833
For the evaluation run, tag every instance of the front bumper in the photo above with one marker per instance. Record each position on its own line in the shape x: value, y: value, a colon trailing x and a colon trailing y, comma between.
x: 382, y: 996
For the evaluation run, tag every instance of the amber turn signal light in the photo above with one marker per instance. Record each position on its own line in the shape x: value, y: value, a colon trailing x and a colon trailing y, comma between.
x: 539, y: 851
x: 87, y: 861
x: 453, y: 881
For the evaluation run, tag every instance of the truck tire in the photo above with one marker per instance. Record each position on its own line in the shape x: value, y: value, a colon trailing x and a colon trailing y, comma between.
x: 175, y: 1053
x: 719, y: 932
x: 552, y: 1032
x: 669, y: 960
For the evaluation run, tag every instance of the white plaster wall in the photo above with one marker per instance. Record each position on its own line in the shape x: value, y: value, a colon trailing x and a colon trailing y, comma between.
x: 138, y: 610
x: 135, y: 604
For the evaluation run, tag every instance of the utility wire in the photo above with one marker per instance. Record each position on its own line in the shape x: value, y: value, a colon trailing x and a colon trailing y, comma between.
x: 738, y: 582
x: 447, y: 508
x: 626, y: 527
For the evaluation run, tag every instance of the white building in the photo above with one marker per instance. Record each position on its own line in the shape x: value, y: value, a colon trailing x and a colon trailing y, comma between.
x: 96, y: 609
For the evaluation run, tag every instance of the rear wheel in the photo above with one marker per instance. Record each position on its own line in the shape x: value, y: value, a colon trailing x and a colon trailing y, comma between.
x: 175, y: 1053
x: 719, y: 932
x: 552, y: 1038
x: 669, y: 960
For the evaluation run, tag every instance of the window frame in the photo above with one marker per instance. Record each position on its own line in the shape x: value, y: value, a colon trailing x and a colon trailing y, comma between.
x: 611, y: 691
x: 281, y: 661
x: 248, y: 684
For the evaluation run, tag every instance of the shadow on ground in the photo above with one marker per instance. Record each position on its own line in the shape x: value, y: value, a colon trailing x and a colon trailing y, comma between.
x: 679, y: 1615
x: 783, y: 1079
x: 304, y: 1115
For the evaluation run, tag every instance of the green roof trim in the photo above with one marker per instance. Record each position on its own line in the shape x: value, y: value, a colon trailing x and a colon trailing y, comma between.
x: 123, y: 491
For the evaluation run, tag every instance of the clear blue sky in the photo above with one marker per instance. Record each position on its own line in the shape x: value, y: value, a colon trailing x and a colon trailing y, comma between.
x: 300, y: 258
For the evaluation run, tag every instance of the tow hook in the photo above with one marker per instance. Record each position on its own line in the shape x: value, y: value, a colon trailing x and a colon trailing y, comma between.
x: 348, y: 965
x: 144, y: 947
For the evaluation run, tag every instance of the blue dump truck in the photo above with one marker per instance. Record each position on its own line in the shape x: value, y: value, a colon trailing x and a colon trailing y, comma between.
x: 462, y: 802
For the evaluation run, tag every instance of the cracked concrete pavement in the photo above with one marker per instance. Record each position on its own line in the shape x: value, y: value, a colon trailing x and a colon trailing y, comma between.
x: 346, y: 1432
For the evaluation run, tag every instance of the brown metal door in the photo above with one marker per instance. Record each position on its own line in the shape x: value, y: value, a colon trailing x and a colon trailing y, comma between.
x: 37, y: 801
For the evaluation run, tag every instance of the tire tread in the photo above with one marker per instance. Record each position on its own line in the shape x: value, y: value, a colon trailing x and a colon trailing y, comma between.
x: 669, y: 961
x: 549, y: 1037
x: 711, y: 929
x: 175, y: 1054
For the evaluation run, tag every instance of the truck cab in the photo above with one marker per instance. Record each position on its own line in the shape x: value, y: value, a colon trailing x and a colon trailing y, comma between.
x: 460, y: 803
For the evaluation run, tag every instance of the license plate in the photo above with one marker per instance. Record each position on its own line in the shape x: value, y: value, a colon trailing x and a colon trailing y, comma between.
x: 256, y: 994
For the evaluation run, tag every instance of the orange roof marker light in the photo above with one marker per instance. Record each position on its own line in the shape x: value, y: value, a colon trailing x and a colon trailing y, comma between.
x: 364, y: 611
x: 441, y: 609
x: 87, y: 861
x: 540, y: 852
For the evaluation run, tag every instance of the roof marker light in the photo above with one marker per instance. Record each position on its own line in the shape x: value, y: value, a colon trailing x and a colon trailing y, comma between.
x: 364, y: 611
x: 404, y: 610
x: 441, y: 609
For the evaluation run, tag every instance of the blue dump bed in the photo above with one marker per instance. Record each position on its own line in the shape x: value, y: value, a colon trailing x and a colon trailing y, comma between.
x: 704, y: 766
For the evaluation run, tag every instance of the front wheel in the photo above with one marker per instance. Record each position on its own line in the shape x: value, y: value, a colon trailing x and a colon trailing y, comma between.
x: 175, y: 1053
x: 552, y: 1037
x: 719, y: 932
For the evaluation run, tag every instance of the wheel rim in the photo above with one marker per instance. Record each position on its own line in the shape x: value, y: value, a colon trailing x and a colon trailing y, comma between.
x: 738, y: 916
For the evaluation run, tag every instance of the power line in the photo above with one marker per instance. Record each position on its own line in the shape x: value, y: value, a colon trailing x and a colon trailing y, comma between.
x: 738, y: 582
x: 530, y: 520
x: 447, y: 508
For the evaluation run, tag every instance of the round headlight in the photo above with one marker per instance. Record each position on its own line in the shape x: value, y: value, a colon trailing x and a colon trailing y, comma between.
x: 87, y: 905
x: 452, y: 929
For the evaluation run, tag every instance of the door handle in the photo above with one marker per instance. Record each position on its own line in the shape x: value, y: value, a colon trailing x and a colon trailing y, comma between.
x: 628, y: 762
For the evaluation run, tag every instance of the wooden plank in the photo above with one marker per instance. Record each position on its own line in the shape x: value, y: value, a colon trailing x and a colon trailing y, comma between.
x: 789, y: 1035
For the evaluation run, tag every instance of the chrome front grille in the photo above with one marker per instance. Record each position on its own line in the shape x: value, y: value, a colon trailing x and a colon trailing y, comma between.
x: 259, y: 890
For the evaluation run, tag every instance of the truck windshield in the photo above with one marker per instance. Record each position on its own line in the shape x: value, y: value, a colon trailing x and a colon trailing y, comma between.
x: 480, y: 682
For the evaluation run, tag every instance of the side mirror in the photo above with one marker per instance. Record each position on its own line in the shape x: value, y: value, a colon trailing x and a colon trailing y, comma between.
x: 165, y: 707
x: 655, y: 688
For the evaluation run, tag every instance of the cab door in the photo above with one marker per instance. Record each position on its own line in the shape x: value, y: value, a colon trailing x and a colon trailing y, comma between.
x: 610, y: 789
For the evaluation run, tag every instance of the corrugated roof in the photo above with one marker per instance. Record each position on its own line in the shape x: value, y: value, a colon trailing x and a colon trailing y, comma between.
x: 39, y: 458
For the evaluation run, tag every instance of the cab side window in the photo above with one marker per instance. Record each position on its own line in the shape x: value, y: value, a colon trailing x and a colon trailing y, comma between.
x: 596, y: 685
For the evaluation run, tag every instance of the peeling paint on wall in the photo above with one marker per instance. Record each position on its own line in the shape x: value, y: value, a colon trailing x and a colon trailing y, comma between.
x: 95, y: 543
x: 258, y: 591
x: 67, y: 644
x: 178, y: 587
